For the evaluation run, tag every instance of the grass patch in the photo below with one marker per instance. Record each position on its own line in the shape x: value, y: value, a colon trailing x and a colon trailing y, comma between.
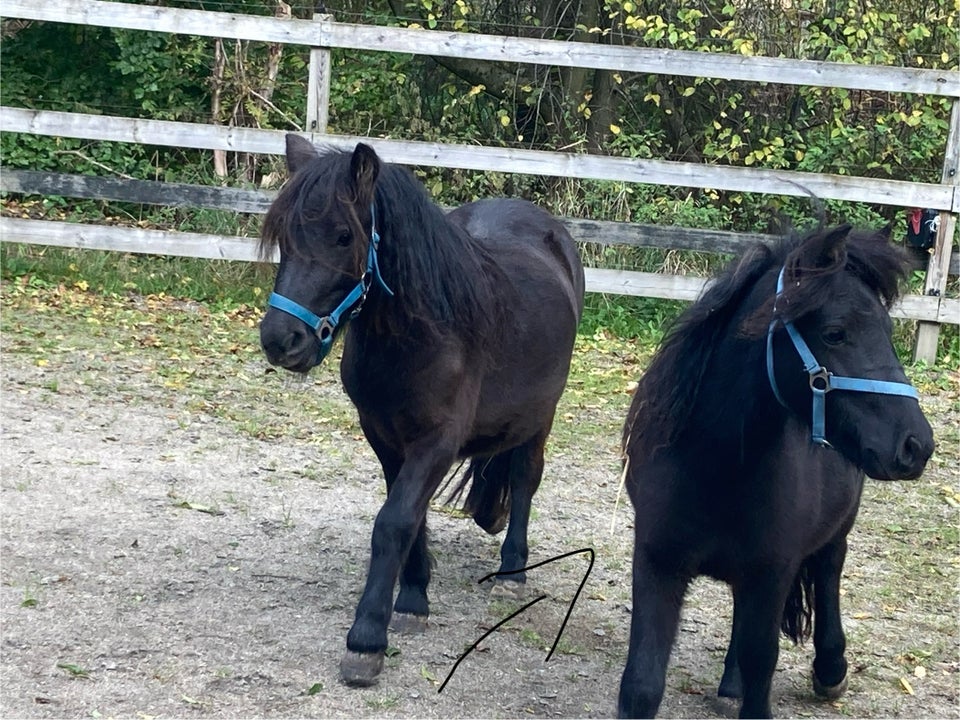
x: 160, y: 324
x: 221, y: 284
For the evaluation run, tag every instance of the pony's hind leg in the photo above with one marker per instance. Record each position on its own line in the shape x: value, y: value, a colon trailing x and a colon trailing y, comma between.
x: 412, y: 608
x: 829, y: 642
x: 525, y: 470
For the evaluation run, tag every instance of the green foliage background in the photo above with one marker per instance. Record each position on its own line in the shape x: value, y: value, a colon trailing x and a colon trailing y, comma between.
x: 164, y: 76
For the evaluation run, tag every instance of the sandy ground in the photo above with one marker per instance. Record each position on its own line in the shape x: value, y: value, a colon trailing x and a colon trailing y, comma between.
x: 158, y: 561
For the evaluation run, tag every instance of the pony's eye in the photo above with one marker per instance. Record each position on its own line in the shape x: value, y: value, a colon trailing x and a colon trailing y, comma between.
x: 343, y: 239
x: 834, y: 335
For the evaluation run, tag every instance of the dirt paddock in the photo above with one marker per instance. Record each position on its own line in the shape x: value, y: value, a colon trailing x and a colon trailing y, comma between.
x: 164, y: 557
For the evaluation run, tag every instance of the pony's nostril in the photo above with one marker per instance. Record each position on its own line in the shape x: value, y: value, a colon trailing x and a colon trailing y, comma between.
x: 914, y: 453
x: 282, y: 343
x: 294, y: 340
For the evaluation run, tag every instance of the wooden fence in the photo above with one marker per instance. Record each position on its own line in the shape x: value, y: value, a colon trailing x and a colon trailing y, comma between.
x: 931, y: 308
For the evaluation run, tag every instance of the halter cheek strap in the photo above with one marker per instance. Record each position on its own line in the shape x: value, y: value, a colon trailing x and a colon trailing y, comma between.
x: 823, y: 381
x: 325, y: 327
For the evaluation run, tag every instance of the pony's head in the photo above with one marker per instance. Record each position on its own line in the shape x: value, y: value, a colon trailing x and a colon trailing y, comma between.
x: 322, y: 223
x: 830, y: 356
x: 710, y: 377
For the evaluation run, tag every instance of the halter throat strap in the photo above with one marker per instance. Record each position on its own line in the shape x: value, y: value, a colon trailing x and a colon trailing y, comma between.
x: 325, y: 327
x: 822, y: 380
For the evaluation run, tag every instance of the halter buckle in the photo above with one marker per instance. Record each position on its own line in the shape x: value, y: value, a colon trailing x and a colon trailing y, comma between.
x: 325, y: 330
x: 820, y: 380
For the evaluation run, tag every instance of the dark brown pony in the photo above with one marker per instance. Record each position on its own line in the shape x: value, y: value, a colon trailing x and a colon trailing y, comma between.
x: 458, y: 331
x: 745, y: 455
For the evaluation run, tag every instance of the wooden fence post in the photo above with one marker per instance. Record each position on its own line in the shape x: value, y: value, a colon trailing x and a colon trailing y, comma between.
x: 938, y: 267
x: 318, y: 87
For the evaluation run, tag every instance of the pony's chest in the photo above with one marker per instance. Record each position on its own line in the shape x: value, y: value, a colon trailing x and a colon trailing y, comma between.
x: 720, y: 523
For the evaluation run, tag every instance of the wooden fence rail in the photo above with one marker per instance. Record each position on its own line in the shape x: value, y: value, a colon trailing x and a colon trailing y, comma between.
x: 323, y: 33
x: 240, y: 200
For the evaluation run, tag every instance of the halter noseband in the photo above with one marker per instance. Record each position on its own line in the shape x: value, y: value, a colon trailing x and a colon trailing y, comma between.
x: 325, y: 327
x: 822, y: 380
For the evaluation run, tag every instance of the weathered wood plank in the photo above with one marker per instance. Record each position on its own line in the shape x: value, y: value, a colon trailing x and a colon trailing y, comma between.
x: 643, y: 284
x: 149, y: 192
x: 471, y: 157
x: 222, y: 247
x: 645, y: 60
x: 947, y: 312
x: 599, y: 232
x: 664, y: 237
x: 489, y: 47
x: 125, y: 239
x: 928, y: 309
x: 318, y: 86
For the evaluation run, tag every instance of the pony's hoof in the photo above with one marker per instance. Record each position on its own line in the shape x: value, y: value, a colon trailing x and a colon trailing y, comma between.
x: 831, y: 692
x: 360, y: 669
x: 507, y: 589
x: 408, y: 623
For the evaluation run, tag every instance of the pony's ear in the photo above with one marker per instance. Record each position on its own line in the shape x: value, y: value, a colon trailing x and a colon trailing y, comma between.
x: 819, y: 253
x: 300, y: 151
x: 834, y: 249
x: 364, y: 170
x: 886, y: 231
x: 824, y: 250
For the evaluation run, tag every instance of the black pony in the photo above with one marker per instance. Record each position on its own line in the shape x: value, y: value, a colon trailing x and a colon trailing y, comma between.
x: 461, y: 350
x: 745, y: 449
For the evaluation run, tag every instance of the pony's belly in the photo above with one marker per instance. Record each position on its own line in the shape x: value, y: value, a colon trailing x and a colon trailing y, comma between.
x: 486, y: 445
x: 489, y: 441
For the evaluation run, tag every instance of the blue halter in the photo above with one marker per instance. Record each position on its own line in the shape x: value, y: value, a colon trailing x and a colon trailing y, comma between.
x: 325, y: 327
x: 821, y: 380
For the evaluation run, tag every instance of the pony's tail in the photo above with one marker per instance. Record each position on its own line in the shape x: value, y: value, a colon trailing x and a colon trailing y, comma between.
x: 489, y: 498
x: 797, y: 623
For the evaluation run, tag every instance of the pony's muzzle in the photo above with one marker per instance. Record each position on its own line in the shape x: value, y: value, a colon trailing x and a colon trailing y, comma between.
x: 287, y: 342
x: 902, y: 457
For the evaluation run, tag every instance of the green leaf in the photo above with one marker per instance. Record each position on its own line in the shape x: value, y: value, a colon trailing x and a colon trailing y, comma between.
x: 74, y: 670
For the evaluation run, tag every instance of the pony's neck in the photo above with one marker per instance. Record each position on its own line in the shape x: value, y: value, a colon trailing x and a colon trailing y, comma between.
x: 747, y: 414
x: 735, y: 411
x: 443, y: 281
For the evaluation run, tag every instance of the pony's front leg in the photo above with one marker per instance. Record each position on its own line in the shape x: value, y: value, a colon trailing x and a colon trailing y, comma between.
x: 657, y: 599
x: 731, y: 684
x: 760, y: 597
x: 829, y: 642
x: 399, y: 525
x: 412, y: 608
x: 525, y: 472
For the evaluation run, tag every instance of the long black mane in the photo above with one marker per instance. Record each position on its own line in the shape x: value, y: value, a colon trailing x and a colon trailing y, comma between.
x: 443, y: 280
x: 669, y: 389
